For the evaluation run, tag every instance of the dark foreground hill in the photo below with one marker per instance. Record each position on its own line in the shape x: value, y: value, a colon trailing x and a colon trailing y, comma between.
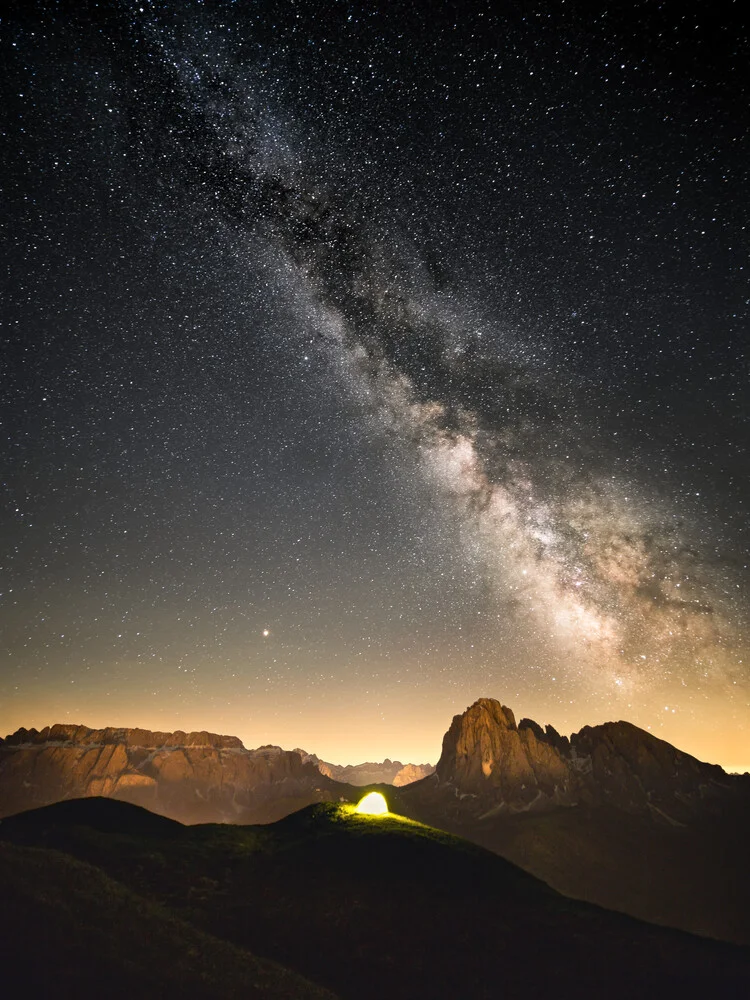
x: 363, y: 906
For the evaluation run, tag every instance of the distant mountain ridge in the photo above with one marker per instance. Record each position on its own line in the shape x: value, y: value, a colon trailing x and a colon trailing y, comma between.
x: 389, y: 772
x: 191, y: 777
x: 197, y: 777
x: 489, y: 764
x: 64, y: 733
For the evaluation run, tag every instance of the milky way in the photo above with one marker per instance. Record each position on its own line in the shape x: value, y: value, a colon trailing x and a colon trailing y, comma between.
x: 584, y: 561
x: 509, y: 255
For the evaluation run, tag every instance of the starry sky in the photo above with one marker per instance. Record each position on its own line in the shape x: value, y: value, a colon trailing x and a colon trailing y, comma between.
x: 360, y: 360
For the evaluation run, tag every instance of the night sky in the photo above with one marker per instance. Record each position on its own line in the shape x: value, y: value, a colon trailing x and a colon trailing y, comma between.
x: 362, y: 360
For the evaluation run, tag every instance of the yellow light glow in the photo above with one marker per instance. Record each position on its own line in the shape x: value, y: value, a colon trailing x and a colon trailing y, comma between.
x: 373, y: 804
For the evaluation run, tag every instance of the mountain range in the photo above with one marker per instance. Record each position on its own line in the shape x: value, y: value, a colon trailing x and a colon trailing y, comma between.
x: 611, y: 814
x: 388, y: 772
x: 194, y: 777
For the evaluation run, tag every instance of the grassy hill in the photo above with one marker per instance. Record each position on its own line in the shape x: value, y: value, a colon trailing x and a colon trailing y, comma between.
x: 68, y: 928
x: 692, y: 876
x: 365, y: 906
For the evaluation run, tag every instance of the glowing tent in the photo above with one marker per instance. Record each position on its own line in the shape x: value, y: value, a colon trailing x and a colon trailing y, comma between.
x: 373, y: 804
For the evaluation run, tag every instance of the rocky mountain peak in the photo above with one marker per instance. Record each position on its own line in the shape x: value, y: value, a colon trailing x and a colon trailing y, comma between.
x: 502, y: 766
x: 486, y: 753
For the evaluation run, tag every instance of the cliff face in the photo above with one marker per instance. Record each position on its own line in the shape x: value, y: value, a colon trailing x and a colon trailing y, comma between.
x: 486, y: 754
x: 190, y: 777
x: 499, y: 766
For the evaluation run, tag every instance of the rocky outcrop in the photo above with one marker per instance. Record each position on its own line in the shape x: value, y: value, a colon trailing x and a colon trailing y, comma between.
x: 633, y: 770
x: 191, y: 777
x: 492, y: 765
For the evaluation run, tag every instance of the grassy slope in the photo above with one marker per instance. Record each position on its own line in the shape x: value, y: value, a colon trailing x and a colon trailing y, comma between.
x: 384, y: 906
x: 695, y: 877
x: 66, y: 928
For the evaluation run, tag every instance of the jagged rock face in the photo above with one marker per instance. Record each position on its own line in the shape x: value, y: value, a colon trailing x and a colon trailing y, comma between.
x: 190, y: 777
x: 487, y: 758
x: 486, y: 754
